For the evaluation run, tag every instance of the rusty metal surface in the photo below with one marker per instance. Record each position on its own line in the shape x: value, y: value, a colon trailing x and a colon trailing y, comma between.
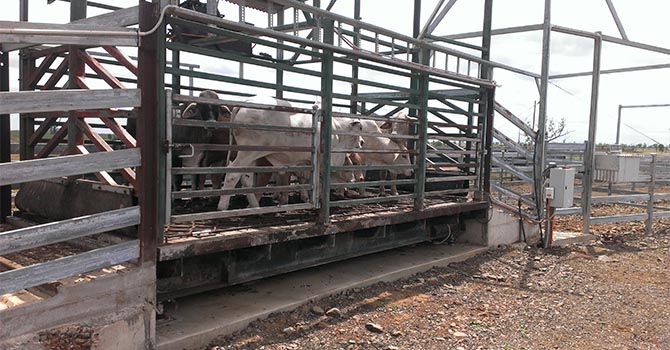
x: 204, y: 237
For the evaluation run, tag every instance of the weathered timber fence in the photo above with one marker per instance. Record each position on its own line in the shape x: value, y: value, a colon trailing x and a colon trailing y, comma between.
x: 48, y: 168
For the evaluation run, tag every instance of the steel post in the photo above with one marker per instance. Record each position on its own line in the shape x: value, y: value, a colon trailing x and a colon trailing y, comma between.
x: 354, y: 68
x: 488, y: 97
x: 148, y: 82
x: 279, y: 91
x: 76, y: 70
x: 326, y: 122
x: 26, y: 67
x: 540, y: 149
x: 5, y: 141
x: 652, y: 188
x: 422, y: 96
x: 589, y: 156
x: 618, y: 125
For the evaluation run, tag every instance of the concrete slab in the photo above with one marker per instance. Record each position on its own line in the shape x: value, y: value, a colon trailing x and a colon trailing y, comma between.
x: 199, y: 319
x: 564, y: 238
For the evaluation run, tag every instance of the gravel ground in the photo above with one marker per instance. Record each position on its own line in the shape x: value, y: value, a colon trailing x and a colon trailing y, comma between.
x: 609, y: 294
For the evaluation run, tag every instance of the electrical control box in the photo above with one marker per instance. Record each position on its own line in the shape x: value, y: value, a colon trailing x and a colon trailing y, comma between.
x: 617, y: 168
x: 562, y: 180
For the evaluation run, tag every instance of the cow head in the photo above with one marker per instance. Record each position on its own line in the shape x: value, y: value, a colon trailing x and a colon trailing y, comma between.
x: 397, y: 125
x: 203, y: 111
x: 354, y: 142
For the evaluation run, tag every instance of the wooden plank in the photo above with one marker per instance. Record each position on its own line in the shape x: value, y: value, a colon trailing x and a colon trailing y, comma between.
x: 42, y: 169
x: 119, y: 18
x: 67, y: 100
x: 79, y: 302
x: 17, y: 35
x: 54, y: 232
x: 37, y: 274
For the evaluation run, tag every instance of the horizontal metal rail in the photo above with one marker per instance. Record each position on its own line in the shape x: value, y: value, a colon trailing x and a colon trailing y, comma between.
x: 35, y: 275
x: 67, y: 100
x: 227, y: 125
x: 239, y: 212
x: 629, y: 217
x: 372, y: 183
x: 241, y: 104
x: 234, y: 191
x: 224, y: 170
x: 349, y: 202
x: 363, y: 54
x: 371, y: 167
x: 60, y: 231
x: 215, y: 147
x: 451, y: 178
x: 48, y: 168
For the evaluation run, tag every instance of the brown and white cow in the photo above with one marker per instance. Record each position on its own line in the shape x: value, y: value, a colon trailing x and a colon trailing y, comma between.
x: 190, y: 157
x: 280, y: 139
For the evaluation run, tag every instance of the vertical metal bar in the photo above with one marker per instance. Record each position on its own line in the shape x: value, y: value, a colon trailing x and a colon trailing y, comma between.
x: 26, y: 122
x: 589, y: 155
x: 617, y: 20
x: 618, y: 125
x: 316, y: 167
x: 190, y: 81
x: 652, y: 188
x: 327, y: 121
x: 211, y: 8
x: 540, y: 151
x: 149, y: 82
x: 5, y: 141
x: 420, y: 175
x: 488, y: 102
x: 488, y: 139
x: 176, y: 77
x: 354, y: 68
x: 279, y: 73
x: 169, y: 115
x: 76, y: 70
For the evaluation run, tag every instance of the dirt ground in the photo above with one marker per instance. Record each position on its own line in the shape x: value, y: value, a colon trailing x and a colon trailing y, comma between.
x: 613, y: 293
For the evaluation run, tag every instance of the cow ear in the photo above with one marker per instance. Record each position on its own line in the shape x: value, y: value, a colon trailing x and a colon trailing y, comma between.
x: 387, y: 125
x: 191, y: 111
x: 225, y: 113
x: 356, y: 125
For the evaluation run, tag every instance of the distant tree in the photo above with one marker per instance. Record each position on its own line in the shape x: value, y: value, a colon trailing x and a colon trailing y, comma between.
x: 554, y: 130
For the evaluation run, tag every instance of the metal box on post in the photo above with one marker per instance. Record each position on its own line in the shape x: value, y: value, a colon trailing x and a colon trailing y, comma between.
x: 617, y: 168
x: 562, y: 180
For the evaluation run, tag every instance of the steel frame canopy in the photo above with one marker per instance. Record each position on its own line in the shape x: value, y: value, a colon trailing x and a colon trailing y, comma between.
x: 543, y: 81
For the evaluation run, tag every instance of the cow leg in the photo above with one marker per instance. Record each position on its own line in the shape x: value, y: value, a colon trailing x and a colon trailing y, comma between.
x: 248, y: 181
x: 231, y: 179
x: 283, y: 179
x: 394, y: 189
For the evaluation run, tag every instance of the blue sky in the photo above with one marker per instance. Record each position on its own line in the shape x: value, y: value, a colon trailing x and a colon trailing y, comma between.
x: 644, y: 20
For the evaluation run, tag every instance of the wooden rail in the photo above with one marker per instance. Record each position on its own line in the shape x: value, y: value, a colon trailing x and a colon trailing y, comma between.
x: 48, y: 168
x: 67, y: 100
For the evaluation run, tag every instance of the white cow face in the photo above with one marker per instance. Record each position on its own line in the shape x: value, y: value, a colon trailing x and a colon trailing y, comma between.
x: 393, y: 126
x: 402, y: 159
